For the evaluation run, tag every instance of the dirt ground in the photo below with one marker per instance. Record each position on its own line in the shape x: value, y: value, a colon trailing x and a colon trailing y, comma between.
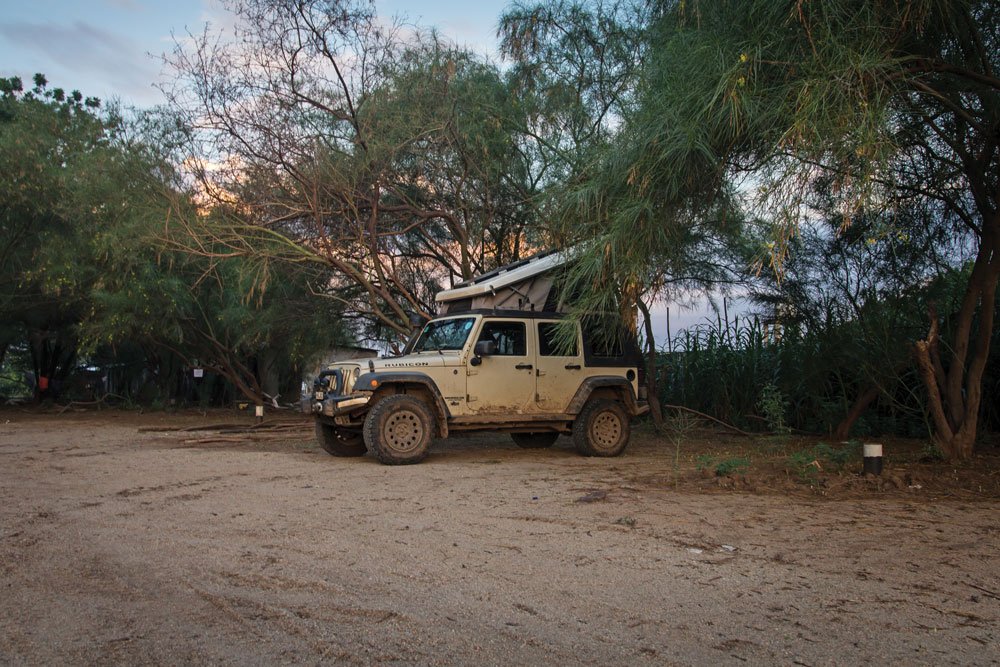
x: 128, y: 547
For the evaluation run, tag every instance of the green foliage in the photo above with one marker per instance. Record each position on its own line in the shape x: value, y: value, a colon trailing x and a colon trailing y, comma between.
x: 807, y: 464
x: 772, y: 406
x: 85, y: 268
x: 575, y: 70
x: 735, y: 465
x: 678, y: 428
x: 15, y: 365
x: 761, y: 377
x: 732, y: 466
x: 55, y: 155
x: 931, y: 453
x: 804, y: 465
x: 703, y: 462
x: 226, y: 315
x: 754, y: 119
x: 720, y: 369
x: 862, y: 296
x: 849, y: 146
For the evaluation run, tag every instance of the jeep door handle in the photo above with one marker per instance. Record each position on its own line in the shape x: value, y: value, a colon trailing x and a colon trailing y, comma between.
x: 524, y: 367
x: 572, y: 367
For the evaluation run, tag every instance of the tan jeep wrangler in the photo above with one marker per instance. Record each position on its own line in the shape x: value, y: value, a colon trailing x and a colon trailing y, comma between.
x: 497, y: 368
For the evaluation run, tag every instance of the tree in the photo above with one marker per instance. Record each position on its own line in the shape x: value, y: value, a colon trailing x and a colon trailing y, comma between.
x: 575, y: 69
x: 53, y: 146
x: 857, y: 295
x: 83, y: 268
x: 895, y: 103
x: 343, y: 143
x: 247, y: 323
x: 582, y: 66
x: 215, y: 315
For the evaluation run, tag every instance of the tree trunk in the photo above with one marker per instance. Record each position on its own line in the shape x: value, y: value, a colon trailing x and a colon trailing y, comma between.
x: 267, y: 369
x: 954, y: 395
x: 858, y: 408
x: 52, y: 358
x: 243, y: 381
x: 652, y: 393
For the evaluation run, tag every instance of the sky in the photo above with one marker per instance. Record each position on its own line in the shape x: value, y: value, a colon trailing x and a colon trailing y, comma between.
x: 110, y: 48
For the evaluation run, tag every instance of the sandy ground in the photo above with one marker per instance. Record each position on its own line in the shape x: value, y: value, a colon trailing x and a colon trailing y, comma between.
x: 146, y: 548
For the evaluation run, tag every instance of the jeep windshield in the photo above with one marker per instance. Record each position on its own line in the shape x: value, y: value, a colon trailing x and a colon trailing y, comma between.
x: 442, y: 335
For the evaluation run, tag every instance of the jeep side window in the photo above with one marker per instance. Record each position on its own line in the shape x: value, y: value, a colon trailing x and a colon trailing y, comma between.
x: 509, y: 338
x: 444, y: 335
x: 608, y: 344
x: 550, y: 344
x: 604, y: 339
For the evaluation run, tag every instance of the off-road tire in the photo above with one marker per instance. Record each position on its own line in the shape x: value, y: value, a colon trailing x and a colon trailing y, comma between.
x: 534, y: 440
x: 339, y: 442
x: 601, y: 429
x: 399, y: 429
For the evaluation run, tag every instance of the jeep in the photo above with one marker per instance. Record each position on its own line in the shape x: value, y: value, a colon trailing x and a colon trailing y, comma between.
x: 484, y: 370
x: 501, y: 356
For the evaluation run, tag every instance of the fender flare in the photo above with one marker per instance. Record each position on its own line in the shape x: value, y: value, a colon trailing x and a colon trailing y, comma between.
x: 398, y: 378
x: 616, y: 382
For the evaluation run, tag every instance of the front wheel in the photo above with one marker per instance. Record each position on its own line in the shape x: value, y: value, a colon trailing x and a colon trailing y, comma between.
x: 601, y: 429
x: 534, y: 440
x: 339, y: 442
x: 399, y: 429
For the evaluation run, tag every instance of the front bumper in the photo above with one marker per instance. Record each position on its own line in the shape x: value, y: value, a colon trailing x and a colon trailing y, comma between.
x: 334, y: 406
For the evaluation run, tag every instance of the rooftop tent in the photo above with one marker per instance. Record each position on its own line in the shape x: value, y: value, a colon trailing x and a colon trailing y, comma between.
x: 524, y: 285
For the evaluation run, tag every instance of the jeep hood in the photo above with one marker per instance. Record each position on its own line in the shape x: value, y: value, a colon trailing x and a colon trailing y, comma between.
x: 416, y: 361
x: 406, y: 362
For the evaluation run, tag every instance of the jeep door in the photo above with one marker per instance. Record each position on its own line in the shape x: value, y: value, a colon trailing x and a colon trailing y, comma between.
x: 559, y: 366
x: 504, y: 383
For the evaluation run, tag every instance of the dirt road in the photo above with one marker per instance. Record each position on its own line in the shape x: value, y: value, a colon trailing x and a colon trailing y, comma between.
x: 145, y: 548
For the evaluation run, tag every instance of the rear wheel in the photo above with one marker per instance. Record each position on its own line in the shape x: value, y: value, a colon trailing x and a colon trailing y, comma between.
x: 534, y: 440
x: 399, y: 429
x: 601, y: 429
x: 340, y: 442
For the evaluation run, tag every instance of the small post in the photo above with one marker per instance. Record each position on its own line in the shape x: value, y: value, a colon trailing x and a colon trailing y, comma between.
x: 873, y: 459
x: 259, y: 412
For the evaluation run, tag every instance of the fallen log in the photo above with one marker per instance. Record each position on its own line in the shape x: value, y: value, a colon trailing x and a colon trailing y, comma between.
x: 710, y: 418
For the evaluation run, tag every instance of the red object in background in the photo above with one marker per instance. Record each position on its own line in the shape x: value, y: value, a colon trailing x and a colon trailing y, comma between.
x: 43, y: 383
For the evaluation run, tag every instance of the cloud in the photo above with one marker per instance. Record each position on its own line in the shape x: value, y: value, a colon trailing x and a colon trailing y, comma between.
x: 84, y: 56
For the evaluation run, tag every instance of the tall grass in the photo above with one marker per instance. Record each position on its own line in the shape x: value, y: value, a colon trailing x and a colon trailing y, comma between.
x: 742, y: 371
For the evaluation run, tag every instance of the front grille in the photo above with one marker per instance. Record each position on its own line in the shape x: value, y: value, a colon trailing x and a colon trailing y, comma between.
x: 329, y: 382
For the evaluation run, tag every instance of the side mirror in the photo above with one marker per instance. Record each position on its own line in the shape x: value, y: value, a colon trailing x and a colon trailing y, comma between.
x: 483, y: 348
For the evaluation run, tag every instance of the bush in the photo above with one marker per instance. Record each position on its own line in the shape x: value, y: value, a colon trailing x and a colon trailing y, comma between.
x: 806, y: 464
